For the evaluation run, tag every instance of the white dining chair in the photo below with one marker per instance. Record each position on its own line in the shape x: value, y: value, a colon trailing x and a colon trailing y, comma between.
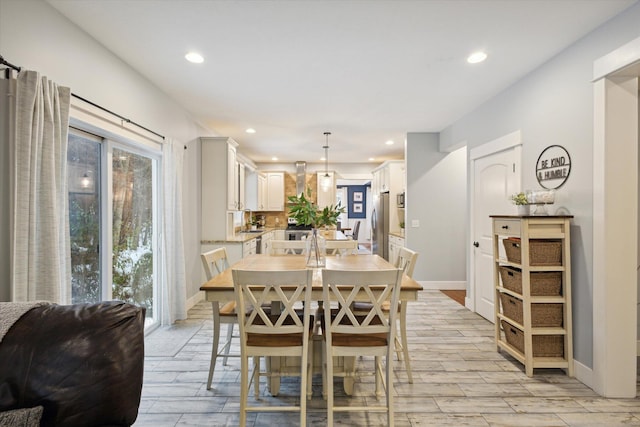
x: 266, y: 333
x: 288, y: 247
x: 407, y: 262
x: 350, y: 334
x: 341, y: 247
x: 214, y: 263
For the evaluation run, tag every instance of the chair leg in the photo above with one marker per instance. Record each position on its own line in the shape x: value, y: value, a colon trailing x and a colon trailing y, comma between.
x: 378, y: 375
x: 304, y: 384
x: 244, y: 389
x: 310, y: 369
x: 227, y: 345
x: 216, y: 339
x: 256, y: 376
x: 388, y: 388
x: 328, y: 380
x: 324, y: 370
x: 403, y: 336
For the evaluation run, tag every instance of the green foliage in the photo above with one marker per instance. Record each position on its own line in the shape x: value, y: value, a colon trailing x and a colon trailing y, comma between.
x: 520, y: 199
x: 306, y: 213
x: 329, y: 215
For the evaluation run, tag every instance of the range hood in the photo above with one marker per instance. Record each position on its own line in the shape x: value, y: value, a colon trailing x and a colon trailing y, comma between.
x: 301, y: 179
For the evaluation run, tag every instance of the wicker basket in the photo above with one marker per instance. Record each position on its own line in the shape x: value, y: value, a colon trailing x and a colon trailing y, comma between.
x: 541, y: 251
x: 543, y: 283
x: 543, y: 345
x: 542, y: 315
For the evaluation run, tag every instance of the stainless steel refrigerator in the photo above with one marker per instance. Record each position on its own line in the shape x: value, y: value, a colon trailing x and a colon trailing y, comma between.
x: 380, y: 226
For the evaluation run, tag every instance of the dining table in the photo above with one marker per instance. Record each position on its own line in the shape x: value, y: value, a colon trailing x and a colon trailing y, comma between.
x: 219, y: 289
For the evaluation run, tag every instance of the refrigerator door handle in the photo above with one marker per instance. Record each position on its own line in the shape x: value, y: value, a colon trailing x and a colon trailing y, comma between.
x: 373, y: 220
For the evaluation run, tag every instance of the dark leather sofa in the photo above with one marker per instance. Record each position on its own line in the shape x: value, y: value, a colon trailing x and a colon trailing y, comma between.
x: 82, y: 363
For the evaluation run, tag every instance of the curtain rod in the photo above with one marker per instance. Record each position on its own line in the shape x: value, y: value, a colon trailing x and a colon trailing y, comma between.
x: 18, y: 69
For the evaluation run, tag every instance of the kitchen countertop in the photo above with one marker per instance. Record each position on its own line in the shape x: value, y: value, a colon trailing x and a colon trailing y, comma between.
x: 241, y: 237
x: 397, y: 234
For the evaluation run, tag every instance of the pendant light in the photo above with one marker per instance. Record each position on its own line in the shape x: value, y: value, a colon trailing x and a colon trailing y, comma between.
x: 326, y: 179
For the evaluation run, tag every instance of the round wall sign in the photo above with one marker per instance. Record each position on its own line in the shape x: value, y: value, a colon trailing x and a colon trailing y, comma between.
x: 553, y: 167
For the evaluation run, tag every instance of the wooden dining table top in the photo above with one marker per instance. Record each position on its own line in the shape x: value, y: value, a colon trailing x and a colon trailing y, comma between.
x: 223, y: 282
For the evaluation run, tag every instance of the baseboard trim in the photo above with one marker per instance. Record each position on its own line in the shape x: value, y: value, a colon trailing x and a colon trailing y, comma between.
x: 439, y: 286
x: 583, y: 373
x: 191, y: 302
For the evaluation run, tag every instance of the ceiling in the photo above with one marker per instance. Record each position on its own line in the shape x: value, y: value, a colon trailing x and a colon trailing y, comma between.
x: 366, y: 71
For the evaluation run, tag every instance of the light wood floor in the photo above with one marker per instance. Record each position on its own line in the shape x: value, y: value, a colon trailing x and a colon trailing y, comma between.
x: 459, y: 380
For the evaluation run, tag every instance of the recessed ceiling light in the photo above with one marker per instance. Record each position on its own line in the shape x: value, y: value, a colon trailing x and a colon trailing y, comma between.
x: 250, y: 130
x: 371, y: 159
x: 476, y: 57
x: 274, y: 158
x: 389, y: 142
x: 194, y: 57
x: 323, y: 158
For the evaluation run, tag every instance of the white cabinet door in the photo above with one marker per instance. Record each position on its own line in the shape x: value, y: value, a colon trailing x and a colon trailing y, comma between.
x: 275, y: 191
x: 232, y: 179
x: 241, y: 184
x: 262, y: 192
x: 249, y: 248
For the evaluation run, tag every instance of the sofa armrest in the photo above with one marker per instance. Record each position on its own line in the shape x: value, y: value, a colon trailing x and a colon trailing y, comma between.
x: 83, y: 363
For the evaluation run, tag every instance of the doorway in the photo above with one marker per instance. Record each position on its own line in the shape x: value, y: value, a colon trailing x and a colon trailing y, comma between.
x: 496, y: 174
x: 615, y: 221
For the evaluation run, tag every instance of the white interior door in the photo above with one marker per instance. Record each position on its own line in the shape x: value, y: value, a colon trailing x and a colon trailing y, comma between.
x: 496, y: 177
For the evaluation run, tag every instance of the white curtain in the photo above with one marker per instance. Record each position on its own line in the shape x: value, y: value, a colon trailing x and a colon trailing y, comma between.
x: 40, y: 243
x: 174, y: 292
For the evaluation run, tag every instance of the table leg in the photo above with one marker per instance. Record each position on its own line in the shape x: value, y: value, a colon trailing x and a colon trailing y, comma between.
x: 216, y: 339
x: 273, y: 366
x: 350, y: 368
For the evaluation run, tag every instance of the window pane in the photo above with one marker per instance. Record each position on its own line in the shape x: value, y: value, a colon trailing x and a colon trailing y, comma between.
x: 133, y: 229
x: 83, y: 171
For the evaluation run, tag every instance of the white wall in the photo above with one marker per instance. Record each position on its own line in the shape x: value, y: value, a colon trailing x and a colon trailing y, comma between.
x: 437, y: 198
x: 35, y: 36
x: 554, y: 105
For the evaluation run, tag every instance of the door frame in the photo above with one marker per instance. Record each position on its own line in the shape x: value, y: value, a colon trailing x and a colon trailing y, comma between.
x: 506, y: 142
x: 615, y: 226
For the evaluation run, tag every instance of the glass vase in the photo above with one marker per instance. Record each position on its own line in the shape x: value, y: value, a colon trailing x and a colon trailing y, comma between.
x: 316, y: 249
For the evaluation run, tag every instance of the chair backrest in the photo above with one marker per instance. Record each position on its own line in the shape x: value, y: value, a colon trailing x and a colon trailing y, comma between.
x: 372, y: 287
x: 214, y: 262
x: 356, y: 230
x: 341, y: 247
x: 287, y: 247
x: 407, y: 261
x: 255, y: 290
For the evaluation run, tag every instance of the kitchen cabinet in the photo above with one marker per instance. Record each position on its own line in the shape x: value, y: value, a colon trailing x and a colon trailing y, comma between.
x: 219, y: 185
x: 274, y: 191
x: 326, y: 193
x: 262, y: 192
x: 390, y: 177
x: 395, y: 243
x: 223, y: 173
x: 265, y: 247
x: 249, y: 248
x: 232, y: 171
x: 532, y: 280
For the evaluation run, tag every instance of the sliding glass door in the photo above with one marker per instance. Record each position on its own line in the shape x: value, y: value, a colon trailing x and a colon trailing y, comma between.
x: 84, y: 163
x: 133, y: 209
x: 113, y: 204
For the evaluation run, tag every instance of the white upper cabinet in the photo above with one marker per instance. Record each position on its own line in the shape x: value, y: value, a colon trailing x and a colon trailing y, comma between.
x: 232, y: 173
x: 274, y: 191
x: 262, y: 192
x: 220, y: 185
